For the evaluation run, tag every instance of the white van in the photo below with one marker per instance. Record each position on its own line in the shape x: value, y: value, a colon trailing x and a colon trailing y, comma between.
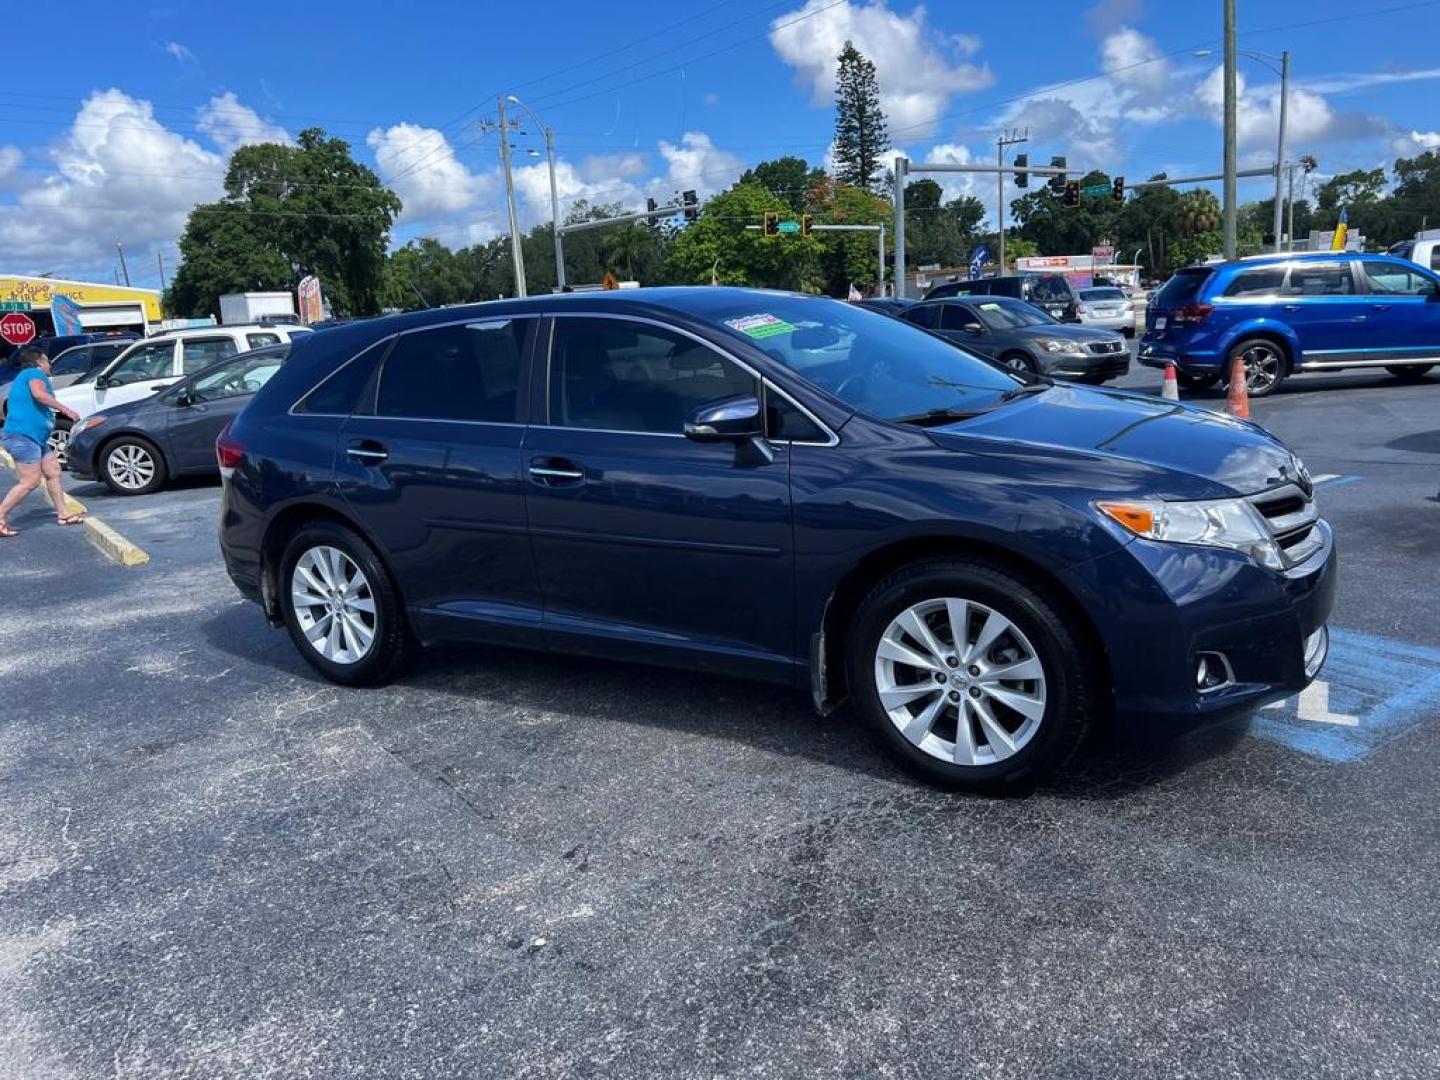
x: 150, y: 365
x: 1424, y: 249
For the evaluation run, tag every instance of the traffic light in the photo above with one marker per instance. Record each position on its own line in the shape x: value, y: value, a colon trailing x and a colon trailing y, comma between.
x: 1117, y: 189
x: 1022, y: 178
x: 805, y: 221
x: 650, y: 207
x: 772, y: 223
x: 691, y: 202
x: 1057, y: 183
x: 1072, y: 193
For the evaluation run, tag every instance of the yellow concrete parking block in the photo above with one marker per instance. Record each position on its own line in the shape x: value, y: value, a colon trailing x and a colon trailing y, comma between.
x: 111, y: 543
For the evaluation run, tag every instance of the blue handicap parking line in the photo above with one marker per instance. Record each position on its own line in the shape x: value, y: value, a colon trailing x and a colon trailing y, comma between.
x: 1371, y: 691
x: 1336, y: 480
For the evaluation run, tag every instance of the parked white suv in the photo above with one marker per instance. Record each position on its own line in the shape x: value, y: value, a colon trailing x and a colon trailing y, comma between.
x: 150, y: 365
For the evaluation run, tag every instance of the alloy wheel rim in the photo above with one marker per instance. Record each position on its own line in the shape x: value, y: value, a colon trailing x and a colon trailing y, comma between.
x: 1262, y: 367
x: 334, y: 605
x: 130, y: 466
x: 1017, y: 364
x: 59, y: 444
x: 960, y: 681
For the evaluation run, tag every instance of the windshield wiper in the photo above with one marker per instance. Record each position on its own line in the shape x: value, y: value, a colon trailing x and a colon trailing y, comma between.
x: 937, y: 416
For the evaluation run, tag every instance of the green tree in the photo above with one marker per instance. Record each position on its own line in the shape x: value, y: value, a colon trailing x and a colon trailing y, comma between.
x: 719, y: 245
x: 860, y: 134
x: 310, y: 207
x: 791, y: 178
x: 849, y: 258
x: 1057, y: 229
x: 936, y: 233
x: 425, y: 273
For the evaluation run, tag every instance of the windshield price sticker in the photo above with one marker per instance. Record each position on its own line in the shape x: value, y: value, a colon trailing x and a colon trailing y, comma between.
x: 760, y: 326
x: 989, y: 307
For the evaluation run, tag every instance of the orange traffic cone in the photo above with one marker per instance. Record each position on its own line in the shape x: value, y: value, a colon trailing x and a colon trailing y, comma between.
x: 1170, y: 388
x: 1237, y: 400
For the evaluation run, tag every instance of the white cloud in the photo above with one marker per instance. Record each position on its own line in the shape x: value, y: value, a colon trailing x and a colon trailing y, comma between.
x: 1257, y: 112
x: 180, y: 52
x: 917, y: 67
x: 420, y: 165
x: 232, y: 125
x: 697, y: 163
x: 1107, y: 16
x: 1134, y: 60
x: 10, y: 159
x: 956, y: 185
x: 1406, y: 144
x: 119, y: 174
x: 613, y: 166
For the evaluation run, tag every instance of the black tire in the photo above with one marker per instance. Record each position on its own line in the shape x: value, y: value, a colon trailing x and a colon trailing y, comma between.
x: 392, y: 646
x: 1262, y: 378
x: 1196, y: 382
x: 1020, y: 361
x: 1409, y: 372
x: 1072, y: 690
x: 120, y: 466
x: 1129, y: 331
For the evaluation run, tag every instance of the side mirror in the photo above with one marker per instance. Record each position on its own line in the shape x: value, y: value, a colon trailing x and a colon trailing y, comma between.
x: 101, y: 382
x: 728, y: 418
x: 973, y: 328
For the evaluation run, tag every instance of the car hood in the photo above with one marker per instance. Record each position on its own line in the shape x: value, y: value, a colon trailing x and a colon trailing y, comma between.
x: 1067, y: 332
x: 1134, y: 444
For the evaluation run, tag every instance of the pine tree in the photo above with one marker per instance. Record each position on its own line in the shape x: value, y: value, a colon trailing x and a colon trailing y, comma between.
x: 860, y: 136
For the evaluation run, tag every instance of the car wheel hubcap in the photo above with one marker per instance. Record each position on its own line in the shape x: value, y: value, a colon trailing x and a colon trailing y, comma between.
x: 1016, y: 364
x: 131, y: 467
x: 59, y: 444
x: 1262, y: 367
x: 960, y: 681
x: 334, y: 605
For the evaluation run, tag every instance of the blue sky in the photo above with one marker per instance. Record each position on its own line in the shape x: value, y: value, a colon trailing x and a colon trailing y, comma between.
x: 117, y: 134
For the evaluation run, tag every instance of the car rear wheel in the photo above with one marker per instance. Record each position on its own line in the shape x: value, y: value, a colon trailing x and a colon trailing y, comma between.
x: 970, y: 677
x: 132, y: 467
x: 341, y: 606
x: 1264, y: 365
x: 1196, y: 382
x: 1409, y: 371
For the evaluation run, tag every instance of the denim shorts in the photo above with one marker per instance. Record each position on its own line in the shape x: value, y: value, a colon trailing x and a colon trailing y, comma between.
x: 25, y: 450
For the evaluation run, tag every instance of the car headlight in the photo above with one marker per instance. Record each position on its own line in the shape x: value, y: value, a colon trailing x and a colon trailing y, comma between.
x: 1069, y: 348
x: 86, y: 424
x: 1224, y: 523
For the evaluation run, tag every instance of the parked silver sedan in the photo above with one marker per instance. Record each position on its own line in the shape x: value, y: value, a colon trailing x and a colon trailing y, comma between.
x: 1106, y: 307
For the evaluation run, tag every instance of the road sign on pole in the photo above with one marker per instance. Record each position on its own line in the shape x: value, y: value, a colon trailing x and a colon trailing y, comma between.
x: 789, y: 227
x: 1095, y: 190
x: 17, y: 329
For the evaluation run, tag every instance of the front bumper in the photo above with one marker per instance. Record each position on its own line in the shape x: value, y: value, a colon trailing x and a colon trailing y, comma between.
x: 1110, y: 366
x: 1159, y: 607
x: 80, y: 457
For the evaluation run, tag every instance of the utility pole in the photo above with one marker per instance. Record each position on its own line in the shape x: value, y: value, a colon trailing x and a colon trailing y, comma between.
x: 1290, y: 204
x: 517, y: 256
x: 1280, y: 149
x: 121, y: 249
x: 549, y: 134
x: 1229, y: 208
x: 160, y: 264
x: 902, y: 169
x: 1008, y: 138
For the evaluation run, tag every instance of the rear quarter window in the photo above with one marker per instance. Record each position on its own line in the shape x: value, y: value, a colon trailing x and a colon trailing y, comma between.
x: 1262, y: 281
x: 1182, y: 288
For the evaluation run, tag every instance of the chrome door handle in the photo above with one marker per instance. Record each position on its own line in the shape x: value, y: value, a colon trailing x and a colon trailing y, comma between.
x: 1379, y: 307
x: 360, y: 453
x: 542, y: 472
x: 1292, y: 307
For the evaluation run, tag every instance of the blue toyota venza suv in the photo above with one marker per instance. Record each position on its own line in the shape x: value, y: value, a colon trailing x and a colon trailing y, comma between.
x: 786, y: 488
x: 1283, y: 314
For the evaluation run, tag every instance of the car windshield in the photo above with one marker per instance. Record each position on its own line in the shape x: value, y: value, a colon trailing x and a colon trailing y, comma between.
x: 1014, y: 315
x: 1101, y: 294
x: 870, y: 361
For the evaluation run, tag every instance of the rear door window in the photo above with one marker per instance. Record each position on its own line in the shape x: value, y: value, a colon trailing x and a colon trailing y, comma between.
x: 198, y: 353
x: 468, y: 372
x: 259, y: 341
x: 1320, y: 279
x: 1262, y: 281
x: 72, y: 362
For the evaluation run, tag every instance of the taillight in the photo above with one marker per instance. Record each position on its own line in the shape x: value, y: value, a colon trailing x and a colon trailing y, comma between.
x: 1191, y: 313
x: 228, y: 453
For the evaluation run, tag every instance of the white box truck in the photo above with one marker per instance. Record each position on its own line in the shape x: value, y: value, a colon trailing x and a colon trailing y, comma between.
x: 246, y: 309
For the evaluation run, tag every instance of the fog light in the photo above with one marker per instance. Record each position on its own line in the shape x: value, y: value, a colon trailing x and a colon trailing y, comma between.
x: 1212, y: 671
x: 1317, y: 647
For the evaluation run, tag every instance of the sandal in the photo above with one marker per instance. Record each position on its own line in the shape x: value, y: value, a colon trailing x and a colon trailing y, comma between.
x: 6, y: 532
x: 70, y: 519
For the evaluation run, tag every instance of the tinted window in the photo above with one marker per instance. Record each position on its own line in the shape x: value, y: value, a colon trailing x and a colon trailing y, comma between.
x: 1391, y: 280
x: 339, y: 395
x: 785, y: 423
x: 1182, y: 288
x: 1320, y: 279
x: 955, y: 316
x: 199, y: 353
x: 71, y: 362
x: 153, y: 361
x: 618, y: 375
x: 926, y: 315
x: 1049, y: 289
x: 245, y: 375
x: 1435, y: 258
x: 466, y: 372
x: 259, y: 341
x: 1101, y: 294
x: 1262, y: 281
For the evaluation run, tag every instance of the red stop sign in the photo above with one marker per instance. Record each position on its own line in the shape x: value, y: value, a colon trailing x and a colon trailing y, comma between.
x: 17, y: 329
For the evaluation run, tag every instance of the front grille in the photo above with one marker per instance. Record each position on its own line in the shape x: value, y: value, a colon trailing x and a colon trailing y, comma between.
x: 1107, y: 348
x: 1293, y: 518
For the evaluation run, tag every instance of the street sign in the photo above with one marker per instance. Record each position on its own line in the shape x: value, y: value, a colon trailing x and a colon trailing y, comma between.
x: 1092, y: 190
x: 17, y: 329
x: 789, y: 227
x: 14, y: 305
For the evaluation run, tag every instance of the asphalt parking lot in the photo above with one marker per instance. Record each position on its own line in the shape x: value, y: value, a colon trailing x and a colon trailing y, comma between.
x: 214, y: 864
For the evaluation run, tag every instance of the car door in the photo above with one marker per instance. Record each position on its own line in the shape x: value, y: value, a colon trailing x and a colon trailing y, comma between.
x: 1404, y: 315
x: 1321, y: 304
x: 954, y: 318
x: 197, y: 411
x: 198, y: 353
x: 431, y: 467
x: 146, y: 369
x: 649, y: 545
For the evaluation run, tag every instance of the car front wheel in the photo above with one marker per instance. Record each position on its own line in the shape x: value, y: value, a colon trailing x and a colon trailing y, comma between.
x: 341, y: 607
x: 969, y: 676
x: 1018, y: 361
x: 132, y: 467
x: 59, y: 441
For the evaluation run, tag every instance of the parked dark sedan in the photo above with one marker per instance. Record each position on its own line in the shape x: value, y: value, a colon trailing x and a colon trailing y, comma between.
x: 786, y: 488
x: 136, y: 447
x: 886, y: 305
x: 1021, y: 336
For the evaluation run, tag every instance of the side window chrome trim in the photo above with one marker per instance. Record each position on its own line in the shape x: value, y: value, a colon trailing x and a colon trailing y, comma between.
x: 832, y: 439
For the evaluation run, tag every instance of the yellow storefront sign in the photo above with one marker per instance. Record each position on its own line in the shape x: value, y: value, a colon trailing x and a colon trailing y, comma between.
x: 37, y: 293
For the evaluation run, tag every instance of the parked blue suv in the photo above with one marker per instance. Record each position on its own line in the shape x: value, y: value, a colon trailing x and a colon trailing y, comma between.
x: 1285, y: 314
x: 788, y: 488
